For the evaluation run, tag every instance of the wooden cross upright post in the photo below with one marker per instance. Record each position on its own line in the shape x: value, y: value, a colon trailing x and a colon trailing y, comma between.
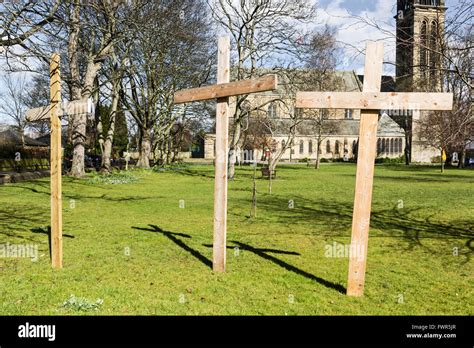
x: 54, y: 111
x: 222, y: 91
x: 56, y: 165
x: 370, y: 102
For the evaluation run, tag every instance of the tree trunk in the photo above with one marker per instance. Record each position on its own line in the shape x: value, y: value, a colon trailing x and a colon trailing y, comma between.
x: 407, y: 147
x: 253, y: 210
x: 272, y: 164
x: 462, y: 160
x: 145, y: 150
x: 270, y: 179
x: 109, y: 141
x: 22, y: 134
x: 442, y: 162
x: 78, y: 140
x: 232, y: 150
x: 318, y: 155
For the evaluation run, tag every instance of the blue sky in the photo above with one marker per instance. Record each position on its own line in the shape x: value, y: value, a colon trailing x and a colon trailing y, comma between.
x: 353, y: 5
x: 352, y: 34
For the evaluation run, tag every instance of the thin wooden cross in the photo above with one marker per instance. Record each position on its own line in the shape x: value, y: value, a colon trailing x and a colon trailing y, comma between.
x: 222, y: 91
x: 370, y: 101
x: 53, y: 112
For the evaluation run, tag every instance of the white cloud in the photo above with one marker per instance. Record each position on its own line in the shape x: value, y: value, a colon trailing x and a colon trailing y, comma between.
x: 353, y: 33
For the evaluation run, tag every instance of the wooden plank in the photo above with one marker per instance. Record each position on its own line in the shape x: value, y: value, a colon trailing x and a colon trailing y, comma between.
x: 374, y: 100
x: 56, y: 165
x: 221, y: 90
x: 365, y: 174
x: 38, y: 114
x: 66, y: 108
x: 222, y: 142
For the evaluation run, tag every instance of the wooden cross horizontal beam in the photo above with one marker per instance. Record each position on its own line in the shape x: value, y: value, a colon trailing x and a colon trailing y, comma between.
x: 374, y: 100
x: 66, y: 108
x: 262, y: 84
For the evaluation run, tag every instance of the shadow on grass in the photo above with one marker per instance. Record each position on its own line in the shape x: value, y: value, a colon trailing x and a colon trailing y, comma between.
x: 195, y: 172
x: 424, y: 178
x: 263, y: 253
x: 79, y: 196
x: 395, y: 223
x: 47, y: 231
x: 173, y: 237
x: 17, y: 220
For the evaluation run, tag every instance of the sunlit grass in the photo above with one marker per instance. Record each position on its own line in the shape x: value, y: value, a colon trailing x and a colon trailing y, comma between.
x: 144, y: 247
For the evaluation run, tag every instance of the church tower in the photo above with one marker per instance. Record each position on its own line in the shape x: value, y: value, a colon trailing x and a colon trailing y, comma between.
x: 420, y: 30
x: 420, y: 35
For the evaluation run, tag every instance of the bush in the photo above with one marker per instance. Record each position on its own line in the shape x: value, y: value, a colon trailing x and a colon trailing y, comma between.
x: 173, y: 167
x: 81, y: 304
x: 387, y: 160
x: 115, y: 178
x: 324, y: 160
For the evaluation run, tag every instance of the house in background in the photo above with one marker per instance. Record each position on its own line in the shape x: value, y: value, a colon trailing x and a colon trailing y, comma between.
x: 10, y: 137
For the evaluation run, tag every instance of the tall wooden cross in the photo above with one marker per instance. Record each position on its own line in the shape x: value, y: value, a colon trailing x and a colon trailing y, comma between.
x: 53, y: 112
x: 222, y: 91
x: 370, y: 101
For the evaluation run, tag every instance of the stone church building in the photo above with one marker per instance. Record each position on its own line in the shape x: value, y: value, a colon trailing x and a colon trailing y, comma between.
x: 419, y: 24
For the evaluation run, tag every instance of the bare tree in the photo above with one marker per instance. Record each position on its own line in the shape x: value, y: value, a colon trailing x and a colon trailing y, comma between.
x: 265, y: 32
x: 13, y: 102
x: 84, y: 32
x: 19, y: 20
x: 38, y: 95
x: 450, y: 69
x: 164, y: 58
x: 320, y: 58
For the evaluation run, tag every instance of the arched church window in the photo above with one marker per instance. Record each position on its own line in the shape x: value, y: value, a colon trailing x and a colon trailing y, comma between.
x: 354, y: 147
x: 337, y: 147
x: 328, y: 146
x: 423, y: 47
x: 433, y: 52
x: 392, y: 146
x: 272, y: 111
x: 310, y: 146
x: 379, y: 146
x: 348, y: 114
x: 400, y: 145
x: 430, y: 2
x: 301, y: 147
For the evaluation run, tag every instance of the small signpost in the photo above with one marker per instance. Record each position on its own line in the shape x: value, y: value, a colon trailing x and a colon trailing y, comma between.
x: 222, y: 91
x: 370, y: 101
x: 53, y: 112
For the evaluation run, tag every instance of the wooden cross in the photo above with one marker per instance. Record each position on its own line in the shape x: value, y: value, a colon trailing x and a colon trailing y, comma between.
x: 53, y: 112
x: 222, y: 91
x: 370, y: 101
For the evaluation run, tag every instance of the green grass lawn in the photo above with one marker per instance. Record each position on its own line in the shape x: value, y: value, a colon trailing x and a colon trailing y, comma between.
x: 134, y: 247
